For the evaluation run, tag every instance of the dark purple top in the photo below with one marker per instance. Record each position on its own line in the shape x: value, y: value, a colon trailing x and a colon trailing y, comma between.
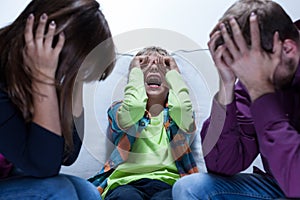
x: 233, y: 137
x: 5, y: 167
x: 31, y: 148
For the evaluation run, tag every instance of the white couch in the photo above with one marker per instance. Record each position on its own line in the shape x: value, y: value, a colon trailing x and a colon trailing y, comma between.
x: 201, y: 77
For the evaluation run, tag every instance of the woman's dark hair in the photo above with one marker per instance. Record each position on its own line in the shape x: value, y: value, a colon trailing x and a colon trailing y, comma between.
x: 84, y: 27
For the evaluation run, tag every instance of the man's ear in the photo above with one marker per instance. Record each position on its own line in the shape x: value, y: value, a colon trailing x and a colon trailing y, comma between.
x: 290, y: 48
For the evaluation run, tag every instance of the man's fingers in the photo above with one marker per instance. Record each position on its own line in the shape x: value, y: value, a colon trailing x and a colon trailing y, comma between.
x: 217, y: 56
x: 277, y: 47
x: 216, y: 28
x: 212, y: 45
x: 28, y: 35
x: 255, y: 33
x: 227, y: 57
x: 238, y: 36
x: 230, y: 44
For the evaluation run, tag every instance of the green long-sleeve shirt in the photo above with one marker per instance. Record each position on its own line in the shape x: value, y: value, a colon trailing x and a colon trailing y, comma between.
x: 135, y: 101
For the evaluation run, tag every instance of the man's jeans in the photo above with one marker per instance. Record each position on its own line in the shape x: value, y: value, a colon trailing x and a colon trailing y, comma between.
x: 207, y: 186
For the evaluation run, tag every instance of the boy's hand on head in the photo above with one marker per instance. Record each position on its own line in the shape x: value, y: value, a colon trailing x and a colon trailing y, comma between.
x: 139, y: 62
x: 170, y: 63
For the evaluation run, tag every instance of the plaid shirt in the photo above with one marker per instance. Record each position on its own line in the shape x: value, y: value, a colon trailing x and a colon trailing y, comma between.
x: 124, y: 140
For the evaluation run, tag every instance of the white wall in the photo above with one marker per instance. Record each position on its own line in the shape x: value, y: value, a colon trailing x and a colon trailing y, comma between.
x: 192, y: 18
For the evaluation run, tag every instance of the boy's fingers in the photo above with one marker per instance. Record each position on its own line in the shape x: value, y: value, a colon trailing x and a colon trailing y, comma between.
x: 143, y: 59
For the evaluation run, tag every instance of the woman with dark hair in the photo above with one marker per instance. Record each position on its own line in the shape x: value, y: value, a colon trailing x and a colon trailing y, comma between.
x: 45, y: 56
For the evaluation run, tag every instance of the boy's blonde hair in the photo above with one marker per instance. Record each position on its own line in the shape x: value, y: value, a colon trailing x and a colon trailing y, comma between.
x: 159, y: 50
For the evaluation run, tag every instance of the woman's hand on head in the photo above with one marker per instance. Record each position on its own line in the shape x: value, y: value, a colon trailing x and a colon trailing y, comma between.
x: 39, y: 54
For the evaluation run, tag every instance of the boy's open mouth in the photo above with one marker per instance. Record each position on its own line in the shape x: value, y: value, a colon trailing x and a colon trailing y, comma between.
x: 154, y: 81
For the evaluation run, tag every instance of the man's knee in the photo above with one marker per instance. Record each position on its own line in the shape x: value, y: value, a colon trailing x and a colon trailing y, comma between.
x: 193, y: 186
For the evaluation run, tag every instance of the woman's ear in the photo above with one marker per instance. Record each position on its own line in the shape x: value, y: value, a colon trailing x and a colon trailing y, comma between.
x: 290, y: 48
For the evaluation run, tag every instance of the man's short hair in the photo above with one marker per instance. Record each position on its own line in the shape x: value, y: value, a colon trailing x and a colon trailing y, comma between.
x: 271, y: 18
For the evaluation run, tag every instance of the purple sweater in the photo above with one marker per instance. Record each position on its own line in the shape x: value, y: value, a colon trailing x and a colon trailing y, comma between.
x: 233, y: 136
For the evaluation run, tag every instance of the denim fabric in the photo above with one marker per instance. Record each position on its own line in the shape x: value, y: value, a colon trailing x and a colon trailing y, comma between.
x: 206, y: 186
x: 60, y: 187
x: 144, y: 189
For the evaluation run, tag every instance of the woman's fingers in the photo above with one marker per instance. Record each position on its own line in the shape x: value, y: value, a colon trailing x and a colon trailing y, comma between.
x: 60, y: 44
x: 28, y: 34
x: 40, y: 31
x: 50, y: 35
x: 39, y: 52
